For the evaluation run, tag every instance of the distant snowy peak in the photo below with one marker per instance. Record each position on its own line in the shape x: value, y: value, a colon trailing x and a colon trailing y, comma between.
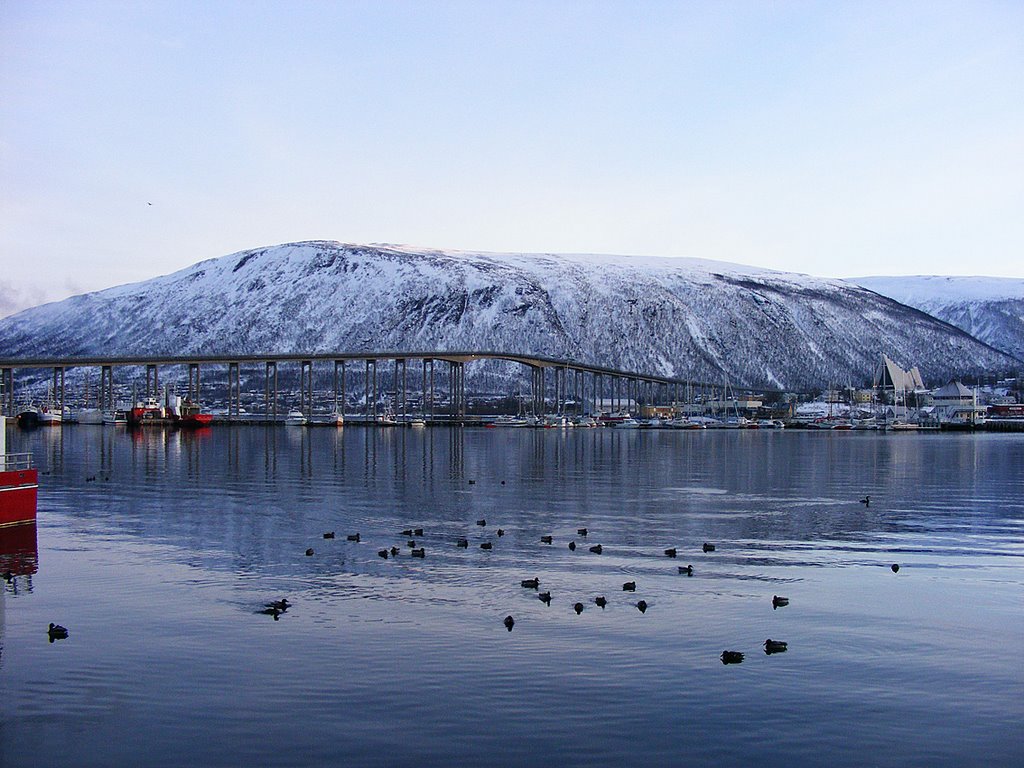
x: 938, y: 289
x: 685, y: 318
x: 988, y: 308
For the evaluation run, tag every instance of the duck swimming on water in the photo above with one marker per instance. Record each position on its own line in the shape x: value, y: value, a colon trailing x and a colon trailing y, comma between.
x: 57, y: 632
x: 779, y: 602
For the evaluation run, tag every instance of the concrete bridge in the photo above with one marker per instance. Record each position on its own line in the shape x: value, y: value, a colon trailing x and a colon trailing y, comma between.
x: 569, y: 380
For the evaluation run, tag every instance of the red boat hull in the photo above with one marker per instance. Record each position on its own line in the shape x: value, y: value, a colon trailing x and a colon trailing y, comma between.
x: 18, y: 492
x: 196, y: 420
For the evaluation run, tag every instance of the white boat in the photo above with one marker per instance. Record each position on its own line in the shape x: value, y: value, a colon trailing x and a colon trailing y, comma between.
x: 90, y: 416
x: 386, y: 420
x: 50, y: 416
x: 627, y: 423
x: 900, y: 426
x: 683, y: 422
x: 654, y: 424
x: 295, y: 419
x: 585, y: 421
x: 416, y: 422
x: 116, y: 416
x: 336, y: 419
x: 509, y: 421
x: 554, y: 422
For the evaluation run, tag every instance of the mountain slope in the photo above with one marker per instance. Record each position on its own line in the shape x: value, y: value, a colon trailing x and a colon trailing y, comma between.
x: 990, y: 309
x: 678, y: 317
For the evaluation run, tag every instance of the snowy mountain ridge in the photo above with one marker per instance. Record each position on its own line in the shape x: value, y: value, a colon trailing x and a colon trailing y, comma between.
x: 685, y: 318
x: 989, y: 308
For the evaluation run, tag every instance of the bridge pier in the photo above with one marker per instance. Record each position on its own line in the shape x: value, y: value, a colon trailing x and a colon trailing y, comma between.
x: 339, y: 364
x: 193, y: 382
x: 457, y: 388
x: 152, y: 382
x: 371, y: 389
x: 538, y: 400
x: 405, y: 400
x: 58, y: 387
x: 432, y: 412
x: 306, y: 388
x: 234, y: 391
x: 107, y: 387
x: 270, y: 390
x: 423, y: 390
x: 7, y: 391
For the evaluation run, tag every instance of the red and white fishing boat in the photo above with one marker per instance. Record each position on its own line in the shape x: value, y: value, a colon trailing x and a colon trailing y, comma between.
x: 19, y: 484
x: 175, y: 411
x: 146, y: 411
x: 191, y: 416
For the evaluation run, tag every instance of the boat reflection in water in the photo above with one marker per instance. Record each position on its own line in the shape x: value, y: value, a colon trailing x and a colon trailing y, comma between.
x: 19, y: 556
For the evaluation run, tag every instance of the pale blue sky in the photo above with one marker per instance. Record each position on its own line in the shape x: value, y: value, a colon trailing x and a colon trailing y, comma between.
x: 830, y: 138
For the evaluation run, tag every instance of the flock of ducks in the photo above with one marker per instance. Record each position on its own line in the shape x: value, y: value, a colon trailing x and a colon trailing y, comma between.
x: 770, y: 646
x: 276, y: 608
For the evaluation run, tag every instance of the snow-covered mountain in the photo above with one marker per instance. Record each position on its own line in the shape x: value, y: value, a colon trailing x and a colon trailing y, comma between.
x: 689, y: 318
x: 989, y: 308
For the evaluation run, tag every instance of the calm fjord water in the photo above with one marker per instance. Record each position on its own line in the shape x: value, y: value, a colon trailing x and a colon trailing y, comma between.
x: 160, y: 573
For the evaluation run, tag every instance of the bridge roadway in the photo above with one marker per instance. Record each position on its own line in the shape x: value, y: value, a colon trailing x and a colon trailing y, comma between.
x: 604, y: 381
